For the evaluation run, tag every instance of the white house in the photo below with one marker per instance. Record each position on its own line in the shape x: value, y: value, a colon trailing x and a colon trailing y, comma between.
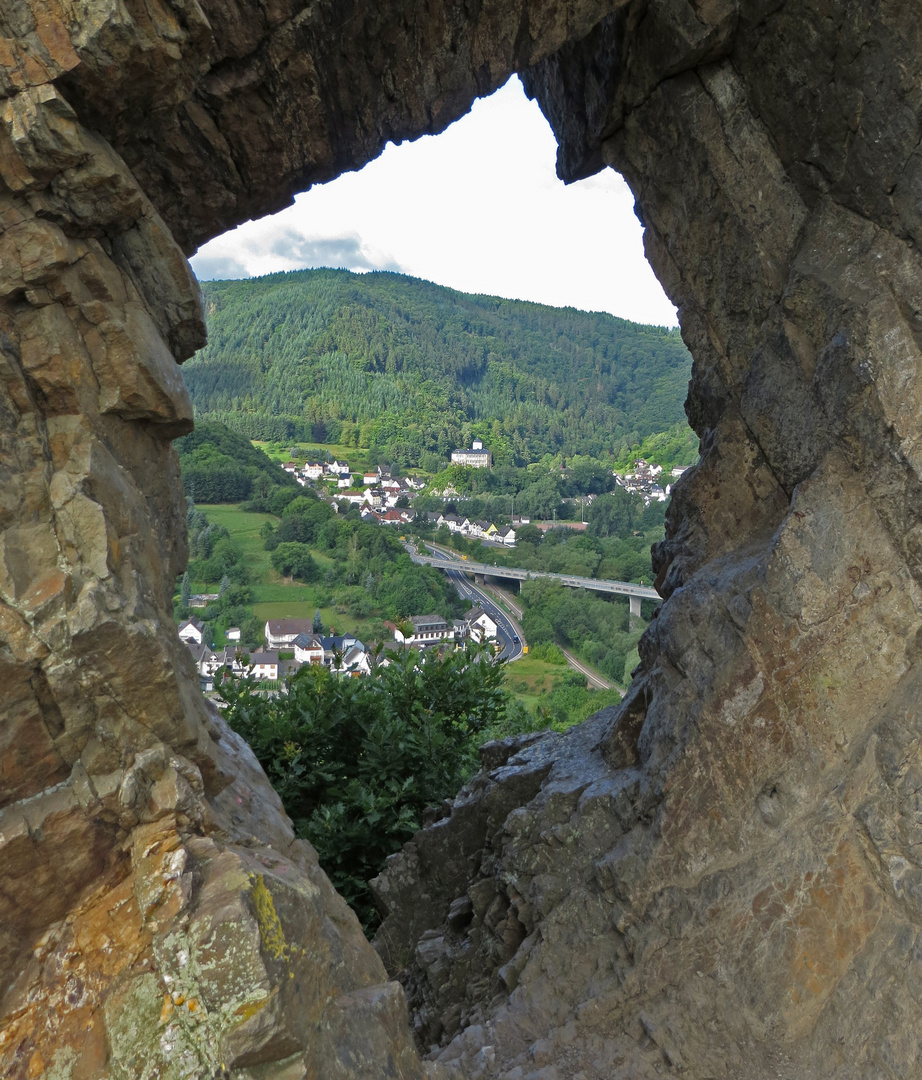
x: 426, y: 630
x: 356, y: 661
x: 482, y: 626
x: 264, y: 665
x: 192, y: 630
x: 233, y: 633
x: 282, y: 632
x: 308, y: 649
x: 506, y: 535
x: 476, y: 457
x: 345, y: 480
x: 338, y: 469
x: 369, y: 478
x: 313, y: 471
x: 357, y: 498
x: 454, y: 523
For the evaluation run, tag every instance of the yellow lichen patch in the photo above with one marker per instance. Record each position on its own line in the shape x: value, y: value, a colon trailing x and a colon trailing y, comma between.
x: 250, y: 1008
x: 166, y: 1010
x: 270, y: 925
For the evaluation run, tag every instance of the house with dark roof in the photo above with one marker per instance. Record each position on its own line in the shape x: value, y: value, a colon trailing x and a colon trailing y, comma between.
x: 426, y: 630
x: 481, y: 625
x: 280, y: 633
x: 192, y: 630
x: 308, y: 649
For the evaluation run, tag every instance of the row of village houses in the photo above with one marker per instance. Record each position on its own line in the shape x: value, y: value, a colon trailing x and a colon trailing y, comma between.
x: 345, y: 653
x: 378, y: 496
x: 390, y: 487
x: 479, y: 529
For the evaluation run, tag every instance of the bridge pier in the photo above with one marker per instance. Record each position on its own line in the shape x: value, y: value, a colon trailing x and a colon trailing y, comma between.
x: 635, y: 605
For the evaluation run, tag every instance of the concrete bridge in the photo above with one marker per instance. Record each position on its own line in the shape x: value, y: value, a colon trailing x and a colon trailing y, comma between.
x: 635, y: 593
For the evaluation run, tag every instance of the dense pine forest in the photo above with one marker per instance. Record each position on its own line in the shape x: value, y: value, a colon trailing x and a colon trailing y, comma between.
x: 412, y: 369
x: 221, y: 466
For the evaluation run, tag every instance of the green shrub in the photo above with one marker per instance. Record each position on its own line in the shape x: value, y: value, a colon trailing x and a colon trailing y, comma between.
x: 356, y: 761
x: 548, y: 652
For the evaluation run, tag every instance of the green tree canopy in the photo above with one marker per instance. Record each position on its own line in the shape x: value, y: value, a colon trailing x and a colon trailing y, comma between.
x: 356, y: 761
x: 295, y: 561
x: 614, y: 514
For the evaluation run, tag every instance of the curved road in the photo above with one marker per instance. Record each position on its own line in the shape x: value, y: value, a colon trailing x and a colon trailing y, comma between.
x: 506, y: 631
x: 466, y: 588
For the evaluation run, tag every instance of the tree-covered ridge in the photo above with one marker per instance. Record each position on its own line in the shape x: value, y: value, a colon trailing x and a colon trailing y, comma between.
x: 411, y: 369
x: 221, y: 466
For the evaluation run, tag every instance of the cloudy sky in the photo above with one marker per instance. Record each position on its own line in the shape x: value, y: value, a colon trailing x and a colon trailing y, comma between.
x: 478, y: 208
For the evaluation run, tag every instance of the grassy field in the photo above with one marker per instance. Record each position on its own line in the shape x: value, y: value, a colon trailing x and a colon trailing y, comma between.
x: 244, y: 528
x: 530, y: 679
x: 272, y: 596
x: 356, y: 456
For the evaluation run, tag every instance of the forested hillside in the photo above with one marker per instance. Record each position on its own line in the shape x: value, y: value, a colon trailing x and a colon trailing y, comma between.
x: 412, y: 369
x: 221, y: 466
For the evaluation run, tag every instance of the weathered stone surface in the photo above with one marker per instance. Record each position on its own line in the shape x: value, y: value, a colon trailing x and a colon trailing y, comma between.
x: 721, y: 878
x: 708, y: 880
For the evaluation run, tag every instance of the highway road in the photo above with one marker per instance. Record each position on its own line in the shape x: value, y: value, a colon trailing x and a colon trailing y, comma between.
x: 506, y: 631
x: 479, y: 595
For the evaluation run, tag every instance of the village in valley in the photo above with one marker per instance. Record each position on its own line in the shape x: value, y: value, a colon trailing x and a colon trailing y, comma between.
x: 381, y: 498
x: 291, y: 643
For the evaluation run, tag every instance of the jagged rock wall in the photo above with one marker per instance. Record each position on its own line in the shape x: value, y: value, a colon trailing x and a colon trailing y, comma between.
x: 156, y: 916
x: 723, y: 877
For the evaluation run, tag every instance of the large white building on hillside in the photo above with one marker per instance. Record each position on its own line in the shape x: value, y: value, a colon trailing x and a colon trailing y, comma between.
x: 476, y: 457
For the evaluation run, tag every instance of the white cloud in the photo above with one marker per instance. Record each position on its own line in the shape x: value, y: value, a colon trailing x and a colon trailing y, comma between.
x: 478, y: 208
x: 217, y: 267
x: 348, y: 252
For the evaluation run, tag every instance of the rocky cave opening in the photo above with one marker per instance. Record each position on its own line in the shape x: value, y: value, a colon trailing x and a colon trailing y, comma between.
x: 722, y: 877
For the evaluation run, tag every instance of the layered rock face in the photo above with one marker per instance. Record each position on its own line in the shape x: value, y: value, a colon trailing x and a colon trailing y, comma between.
x: 157, y: 917
x: 723, y: 877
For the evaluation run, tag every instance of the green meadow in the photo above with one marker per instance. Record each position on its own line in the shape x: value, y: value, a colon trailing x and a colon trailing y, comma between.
x: 272, y: 596
x: 355, y: 456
